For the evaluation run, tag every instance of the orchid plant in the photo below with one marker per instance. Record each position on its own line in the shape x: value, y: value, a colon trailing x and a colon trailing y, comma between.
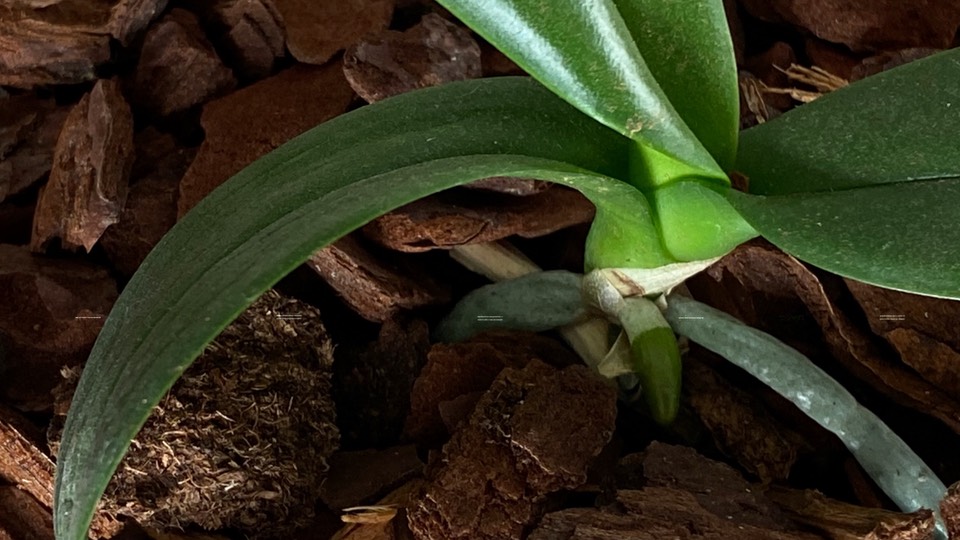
x: 635, y: 104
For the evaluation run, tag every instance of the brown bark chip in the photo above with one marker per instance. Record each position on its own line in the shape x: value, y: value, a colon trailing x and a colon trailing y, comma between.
x: 950, y: 510
x: 717, y: 487
x: 758, y: 277
x: 64, y: 42
x: 151, y: 208
x: 253, y: 121
x: 652, y: 513
x: 31, y: 472
x: 433, y: 52
x: 91, y: 167
x: 374, y: 289
x: 178, y: 67
x: 867, y: 24
x: 250, y: 32
x: 23, y: 518
x: 534, y: 432
x: 840, y: 520
x: 28, y: 133
x: 53, y: 312
x: 318, y: 30
x: 358, y: 476
x: 462, y: 217
x: 741, y: 426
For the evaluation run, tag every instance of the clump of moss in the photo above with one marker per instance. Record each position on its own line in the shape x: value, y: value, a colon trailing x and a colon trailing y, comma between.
x: 242, y: 440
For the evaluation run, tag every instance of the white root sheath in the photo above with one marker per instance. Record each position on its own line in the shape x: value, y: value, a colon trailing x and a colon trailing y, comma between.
x: 896, y: 469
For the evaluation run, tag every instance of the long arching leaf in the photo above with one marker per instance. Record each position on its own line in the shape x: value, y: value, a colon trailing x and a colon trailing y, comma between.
x: 583, y: 51
x: 270, y: 217
x: 900, y: 125
x: 902, y: 236
x: 688, y: 48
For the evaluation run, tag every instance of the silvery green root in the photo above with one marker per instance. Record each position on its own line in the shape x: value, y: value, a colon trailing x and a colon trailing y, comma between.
x: 899, y: 472
x: 535, y: 302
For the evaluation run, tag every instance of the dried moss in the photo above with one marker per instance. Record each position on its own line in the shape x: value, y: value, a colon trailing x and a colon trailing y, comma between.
x: 242, y: 439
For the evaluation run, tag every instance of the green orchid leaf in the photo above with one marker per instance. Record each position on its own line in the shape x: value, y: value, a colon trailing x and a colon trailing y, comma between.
x: 688, y: 48
x: 583, y: 51
x: 901, y: 236
x: 270, y: 217
x: 893, y: 127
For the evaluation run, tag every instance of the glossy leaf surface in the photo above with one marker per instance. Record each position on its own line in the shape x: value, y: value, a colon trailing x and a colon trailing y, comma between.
x: 583, y: 51
x: 901, y: 236
x: 270, y: 217
x: 900, y: 125
x: 687, y: 47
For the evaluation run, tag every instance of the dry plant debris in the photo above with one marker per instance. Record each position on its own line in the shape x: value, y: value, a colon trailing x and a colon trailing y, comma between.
x: 433, y: 52
x: 950, y: 509
x: 91, y: 167
x: 318, y: 30
x: 375, y: 289
x: 250, y: 32
x: 535, y: 432
x: 178, y: 66
x: 54, y: 311
x: 461, y: 217
x: 243, y: 437
x: 29, y: 127
x: 248, y: 123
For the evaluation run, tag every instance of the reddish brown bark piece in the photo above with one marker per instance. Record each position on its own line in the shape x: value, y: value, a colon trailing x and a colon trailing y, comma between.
x: 151, y: 208
x: 652, y: 514
x: 950, y: 510
x: 835, y: 59
x: 867, y: 24
x: 253, y: 121
x: 178, y: 67
x: 889, y: 60
x: 28, y: 133
x: 23, y: 518
x: 63, y: 42
x: 461, y: 217
x: 453, y: 370
x: 55, y: 310
x: 456, y: 375
x: 757, y: 278
x: 769, y: 67
x: 318, y: 30
x: 717, y: 486
x: 740, y: 424
x: 358, y: 476
x: 26, y: 507
x: 836, y: 519
x: 91, y: 167
x: 250, y: 32
x: 922, y: 330
x: 433, y: 52
x: 534, y: 432
x: 375, y: 290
